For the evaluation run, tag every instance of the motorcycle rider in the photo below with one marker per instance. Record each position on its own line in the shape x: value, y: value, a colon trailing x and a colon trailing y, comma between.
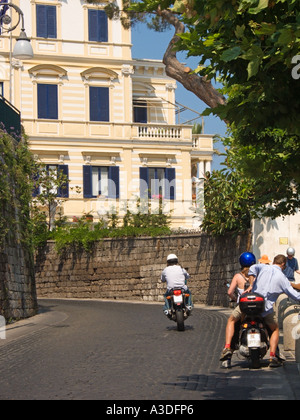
x: 241, y: 282
x: 176, y: 277
x: 270, y: 281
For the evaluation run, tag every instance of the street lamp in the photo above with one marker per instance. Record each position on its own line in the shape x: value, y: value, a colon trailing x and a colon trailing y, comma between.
x: 22, y: 49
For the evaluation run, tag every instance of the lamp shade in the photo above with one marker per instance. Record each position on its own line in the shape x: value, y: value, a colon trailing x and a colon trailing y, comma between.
x: 23, y: 49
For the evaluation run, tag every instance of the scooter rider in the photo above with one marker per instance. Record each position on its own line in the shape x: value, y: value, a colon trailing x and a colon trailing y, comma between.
x: 176, y: 277
x: 246, y: 260
x: 269, y: 281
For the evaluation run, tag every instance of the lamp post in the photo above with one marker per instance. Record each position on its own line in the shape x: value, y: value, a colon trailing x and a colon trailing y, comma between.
x: 22, y: 49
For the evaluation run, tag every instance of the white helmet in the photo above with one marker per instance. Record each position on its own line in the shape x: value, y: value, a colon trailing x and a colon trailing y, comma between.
x: 172, y: 257
x: 290, y: 251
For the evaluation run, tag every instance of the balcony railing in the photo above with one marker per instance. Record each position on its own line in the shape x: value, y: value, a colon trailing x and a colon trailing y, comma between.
x: 159, y: 132
x: 10, y: 118
x: 135, y: 132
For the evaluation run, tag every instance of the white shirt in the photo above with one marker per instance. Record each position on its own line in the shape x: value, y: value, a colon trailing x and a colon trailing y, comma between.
x: 175, y: 276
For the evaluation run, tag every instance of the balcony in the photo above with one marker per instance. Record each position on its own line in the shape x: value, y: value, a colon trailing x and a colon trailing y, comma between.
x: 107, y: 130
x: 112, y: 132
x: 10, y: 118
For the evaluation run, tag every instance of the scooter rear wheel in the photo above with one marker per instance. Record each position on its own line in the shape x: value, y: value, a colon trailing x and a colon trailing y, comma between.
x: 255, y: 359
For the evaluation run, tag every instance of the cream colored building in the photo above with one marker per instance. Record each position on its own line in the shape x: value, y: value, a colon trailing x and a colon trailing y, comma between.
x: 107, y: 120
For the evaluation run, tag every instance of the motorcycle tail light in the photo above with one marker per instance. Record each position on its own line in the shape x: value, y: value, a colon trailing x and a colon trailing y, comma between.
x: 253, y: 323
x: 177, y: 292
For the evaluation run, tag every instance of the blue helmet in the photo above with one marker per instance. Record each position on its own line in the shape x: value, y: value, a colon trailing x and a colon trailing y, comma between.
x: 247, y: 259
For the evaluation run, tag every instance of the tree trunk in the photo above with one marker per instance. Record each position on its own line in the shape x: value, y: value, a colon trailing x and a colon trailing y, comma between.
x: 201, y: 87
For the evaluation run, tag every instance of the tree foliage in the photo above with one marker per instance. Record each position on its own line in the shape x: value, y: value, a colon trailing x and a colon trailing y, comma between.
x: 15, y: 190
x: 250, y: 45
x: 229, y: 202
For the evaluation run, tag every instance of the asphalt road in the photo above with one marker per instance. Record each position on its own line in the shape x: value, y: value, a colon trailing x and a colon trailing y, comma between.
x: 94, y: 350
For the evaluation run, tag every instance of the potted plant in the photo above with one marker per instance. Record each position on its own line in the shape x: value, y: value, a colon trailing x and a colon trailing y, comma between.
x: 88, y: 216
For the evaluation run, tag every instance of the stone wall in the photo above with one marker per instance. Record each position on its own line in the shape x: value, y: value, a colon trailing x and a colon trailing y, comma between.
x: 17, y: 283
x: 131, y: 268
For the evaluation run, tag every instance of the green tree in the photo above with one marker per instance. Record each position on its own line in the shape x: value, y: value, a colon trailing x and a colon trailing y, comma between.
x: 48, y: 181
x: 229, y: 202
x: 250, y: 44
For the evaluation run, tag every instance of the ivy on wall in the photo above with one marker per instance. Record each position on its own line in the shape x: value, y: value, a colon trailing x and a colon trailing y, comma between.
x: 16, y: 165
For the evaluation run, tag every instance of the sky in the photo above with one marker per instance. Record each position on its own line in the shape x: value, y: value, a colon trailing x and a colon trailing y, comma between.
x: 148, y: 44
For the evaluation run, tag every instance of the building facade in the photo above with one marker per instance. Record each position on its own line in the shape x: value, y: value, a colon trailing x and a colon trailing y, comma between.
x: 104, y: 119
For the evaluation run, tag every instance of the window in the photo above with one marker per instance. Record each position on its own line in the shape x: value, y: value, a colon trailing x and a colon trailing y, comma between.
x: 46, y: 21
x: 100, y: 180
x: 98, y: 28
x: 1, y: 89
x: 140, y: 111
x: 99, y: 103
x: 157, y: 183
x: 54, y: 170
x: 47, y: 101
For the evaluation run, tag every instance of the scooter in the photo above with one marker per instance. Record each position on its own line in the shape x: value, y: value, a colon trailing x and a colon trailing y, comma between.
x: 179, y: 310
x: 251, y: 336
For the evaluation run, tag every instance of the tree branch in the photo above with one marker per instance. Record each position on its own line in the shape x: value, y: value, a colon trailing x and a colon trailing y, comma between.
x: 201, y: 87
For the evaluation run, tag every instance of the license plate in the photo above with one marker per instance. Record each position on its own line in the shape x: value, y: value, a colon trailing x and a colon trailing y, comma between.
x: 253, y: 340
x: 178, y: 299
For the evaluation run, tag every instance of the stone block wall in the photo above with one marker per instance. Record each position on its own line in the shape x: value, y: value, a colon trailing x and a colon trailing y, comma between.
x: 17, y: 283
x: 131, y: 268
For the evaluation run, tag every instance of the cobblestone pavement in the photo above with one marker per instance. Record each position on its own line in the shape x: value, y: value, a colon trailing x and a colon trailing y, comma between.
x: 128, y: 351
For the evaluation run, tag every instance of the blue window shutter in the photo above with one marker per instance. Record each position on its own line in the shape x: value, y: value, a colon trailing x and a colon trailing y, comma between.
x: 36, y: 188
x: 63, y: 191
x: 99, y: 103
x: 47, y: 101
x: 102, y: 26
x: 52, y: 102
x: 51, y: 22
x: 41, y: 21
x: 42, y: 105
x: 93, y: 25
x: 98, y: 26
x: 46, y: 26
x: 170, y: 184
x: 93, y: 104
x: 114, y: 182
x: 104, y: 104
x: 87, y: 182
x: 144, y: 183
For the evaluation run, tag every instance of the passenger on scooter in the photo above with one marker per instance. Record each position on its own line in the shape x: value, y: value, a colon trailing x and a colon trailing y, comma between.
x: 270, y: 282
x: 176, y: 277
x: 238, y: 284
x: 241, y: 282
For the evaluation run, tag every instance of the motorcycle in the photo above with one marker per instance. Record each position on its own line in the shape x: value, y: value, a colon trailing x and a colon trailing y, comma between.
x: 251, y: 336
x: 179, y: 310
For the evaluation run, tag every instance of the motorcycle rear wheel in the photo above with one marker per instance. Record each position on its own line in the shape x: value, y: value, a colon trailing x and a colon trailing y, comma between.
x: 255, y: 359
x: 180, y: 320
